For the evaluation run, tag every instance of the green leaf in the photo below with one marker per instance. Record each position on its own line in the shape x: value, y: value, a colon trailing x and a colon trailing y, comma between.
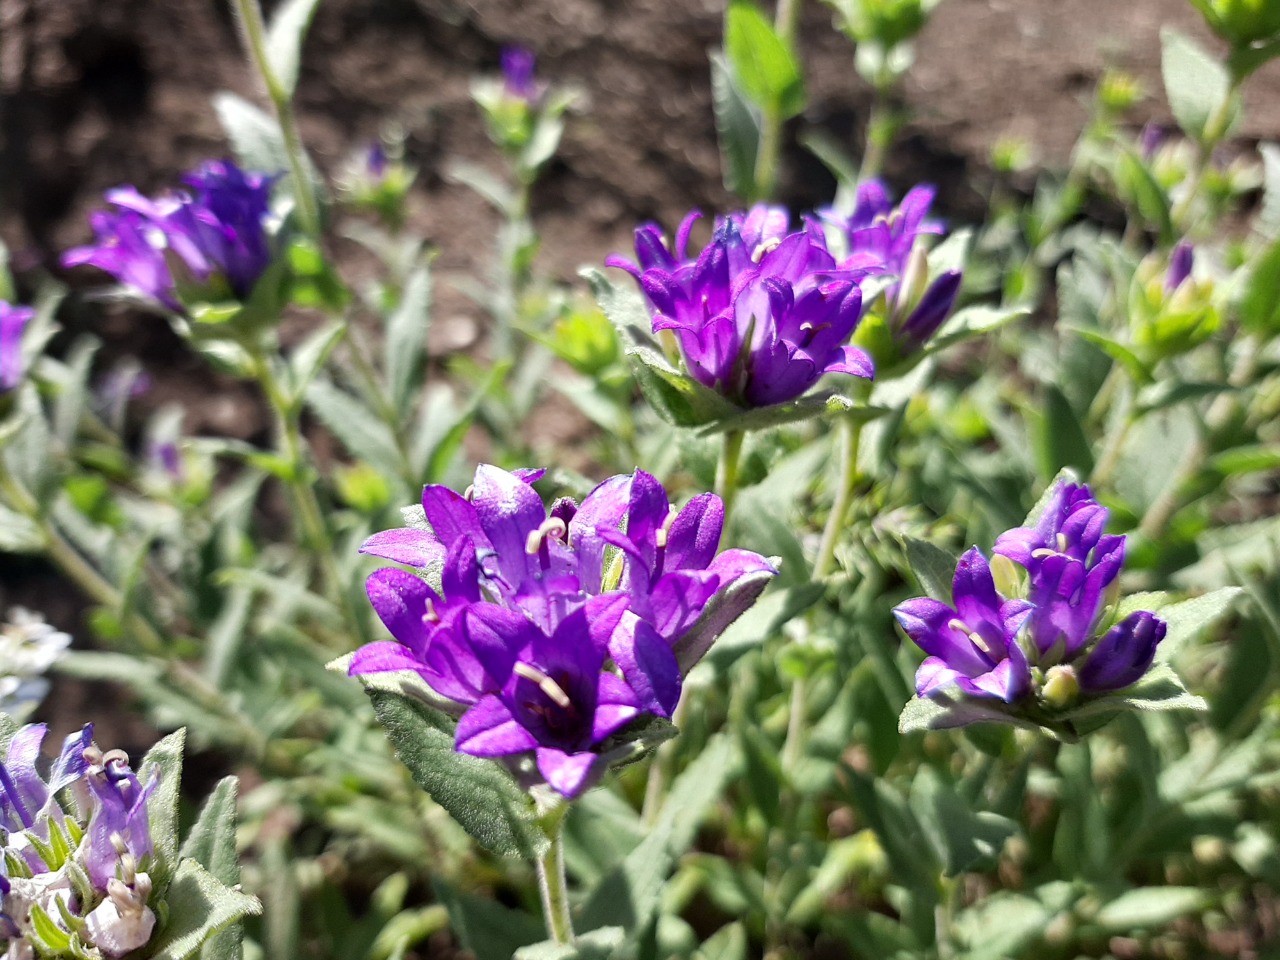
x: 972, y: 322
x: 1196, y: 84
x: 405, y: 347
x: 963, y: 838
x: 199, y: 906
x: 933, y: 567
x: 1119, y: 352
x: 1260, y: 303
x: 1189, y: 617
x: 19, y: 534
x: 165, y: 758
x: 310, y: 356
x: 599, y: 944
x: 762, y: 63
x: 478, y: 793
x: 1140, y: 188
x: 285, y: 35
x: 69, y: 407
x: 1061, y: 437
x: 1149, y: 908
x: 939, y: 712
x: 361, y: 432
x: 628, y: 896
x: 1268, y: 222
x: 212, y: 844
x: 484, y: 926
x: 727, y: 943
x: 1160, y: 690
x: 737, y: 129
x: 255, y: 137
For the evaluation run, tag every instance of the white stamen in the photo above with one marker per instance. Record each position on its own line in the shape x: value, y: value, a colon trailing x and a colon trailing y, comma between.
x: 544, y: 682
x: 768, y: 246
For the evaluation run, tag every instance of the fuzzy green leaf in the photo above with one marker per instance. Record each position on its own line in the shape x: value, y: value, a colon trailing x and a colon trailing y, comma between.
x: 933, y: 567
x: 405, y: 349
x: 199, y: 906
x: 1196, y: 84
x: 478, y: 793
x: 285, y: 35
x: 762, y: 62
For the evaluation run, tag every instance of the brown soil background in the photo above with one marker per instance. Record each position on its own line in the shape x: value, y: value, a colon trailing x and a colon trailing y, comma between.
x: 96, y: 93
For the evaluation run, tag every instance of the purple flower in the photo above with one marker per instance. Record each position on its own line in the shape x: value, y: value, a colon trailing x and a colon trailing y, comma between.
x: 376, y: 161
x: 532, y: 604
x: 558, y: 700
x: 119, y: 824
x: 928, y: 314
x: 13, y: 320
x: 1071, y: 565
x: 760, y: 315
x: 1180, y: 263
x: 215, y: 232
x: 973, y: 646
x: 1151, y: 138
x: 879, y: 228
x: 1123, y: 654
x: 518, y: 65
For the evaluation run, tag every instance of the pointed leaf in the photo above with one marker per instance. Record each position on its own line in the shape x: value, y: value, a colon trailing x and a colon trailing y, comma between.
x: 198, y: 907
x: 478, y: 793
x: 1196, y: 84
x: 285, y: 35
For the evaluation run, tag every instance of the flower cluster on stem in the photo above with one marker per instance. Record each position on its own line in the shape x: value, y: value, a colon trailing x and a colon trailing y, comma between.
x: 1032, y: 624
x: 551, y: 630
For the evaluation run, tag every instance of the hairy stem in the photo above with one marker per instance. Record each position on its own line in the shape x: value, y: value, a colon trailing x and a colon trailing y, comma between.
x: 254, y: 29
x: 727, y: 470
x: 551, y: 881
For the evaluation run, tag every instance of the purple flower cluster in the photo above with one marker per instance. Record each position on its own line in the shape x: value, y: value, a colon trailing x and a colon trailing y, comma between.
x: 762, y: 313
x: 13, y: 321
x: 551, y: 630
x: 108, y: 840
x: 214, y: 234
x: 1006, y: 647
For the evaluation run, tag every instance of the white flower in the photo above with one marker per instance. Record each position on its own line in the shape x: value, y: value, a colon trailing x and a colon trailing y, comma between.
x: 28, y: 648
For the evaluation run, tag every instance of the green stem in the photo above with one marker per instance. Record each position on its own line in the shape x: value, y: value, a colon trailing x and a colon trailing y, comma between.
x: 767, y: 151
x: 255, y: 41
x: 551, y: 880
x: 727, y: 470
x: 313, y: 532
x: 1215, y: 129
x: 850, y: 439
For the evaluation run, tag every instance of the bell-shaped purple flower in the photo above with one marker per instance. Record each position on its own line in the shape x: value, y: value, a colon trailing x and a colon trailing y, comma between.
x: 119, y: 826
x: 1123, y: 654
x: 925, y: 317
x: 559, y: 701
x: 13, y: 321
x: 1071, y: 565
x: 760, y: 315
x: 214, y: 232
x: 879, y: 228
x: 973, y: 646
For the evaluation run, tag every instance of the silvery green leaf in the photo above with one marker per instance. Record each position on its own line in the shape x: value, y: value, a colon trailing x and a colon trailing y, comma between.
x: 485, y: 927
x: 309, y: 357
x: 19, y: 534
x: 762, y: 62
x: 933, y: 567
x: 973, y: 322
x: 360, y: 431
x: 1196, y: 84
x: 212, y: 844
x: 737, y: 129
x: 405, y: 347
x: 165, y: 758
x: 728, y: 943
x: 478, y: 793
x: 1149, y: 908
x: 1161, y: 689
x: 285, y: 35
x: 199, y: 906
x: 1188, y: 618
x: 824, y: 404
x: 939, y: 712
x: 600, y: 944
x: 1268, y: 222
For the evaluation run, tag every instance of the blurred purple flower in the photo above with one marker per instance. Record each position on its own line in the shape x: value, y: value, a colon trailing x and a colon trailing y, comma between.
x: 974, y: 645
x: 376, y: 161
x: 119, y: 824
x: 13, y: 321
x: 518, y: 66
x: 215, y: 232
x: 1180, y: 263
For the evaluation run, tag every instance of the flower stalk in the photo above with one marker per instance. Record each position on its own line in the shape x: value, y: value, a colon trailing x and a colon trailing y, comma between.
x: 727, y: 470
x: 552, y: 884
x: 255, y: 38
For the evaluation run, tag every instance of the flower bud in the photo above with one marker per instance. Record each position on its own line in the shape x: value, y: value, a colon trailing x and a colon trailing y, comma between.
x: 1061, y: 688
x: 1124, y: 654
